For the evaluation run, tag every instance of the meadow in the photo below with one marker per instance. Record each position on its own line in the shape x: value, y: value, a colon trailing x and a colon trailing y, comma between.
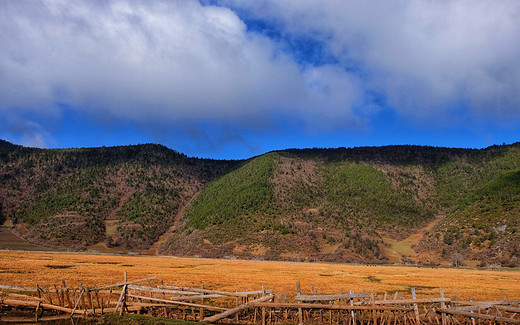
x: 49, y: 268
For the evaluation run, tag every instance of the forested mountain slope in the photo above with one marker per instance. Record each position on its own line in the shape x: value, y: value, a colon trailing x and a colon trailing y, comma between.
x: 352, y: 204
x: 345, y: 204
x: 126, y: 196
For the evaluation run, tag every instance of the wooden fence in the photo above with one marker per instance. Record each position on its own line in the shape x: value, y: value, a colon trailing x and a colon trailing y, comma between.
x: 150, y: 296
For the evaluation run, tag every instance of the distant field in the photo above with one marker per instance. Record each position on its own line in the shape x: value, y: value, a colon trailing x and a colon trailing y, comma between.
x: 46, y: 269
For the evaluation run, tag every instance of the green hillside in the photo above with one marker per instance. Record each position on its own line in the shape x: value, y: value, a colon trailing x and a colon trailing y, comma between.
x: 236, y: 199
x: 352, y: 204
x: 483, y: 221
x: 294, y: 206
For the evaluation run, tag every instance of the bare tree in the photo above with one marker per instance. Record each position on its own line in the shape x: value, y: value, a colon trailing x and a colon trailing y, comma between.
x: 457, y: 260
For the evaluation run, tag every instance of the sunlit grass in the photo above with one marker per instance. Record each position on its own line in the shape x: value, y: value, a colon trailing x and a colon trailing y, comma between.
x: 239, y: 275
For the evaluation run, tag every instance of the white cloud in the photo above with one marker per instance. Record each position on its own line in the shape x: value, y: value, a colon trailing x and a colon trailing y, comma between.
x: 425, y: 56
x: 154, y: 60
x: 181, y: 62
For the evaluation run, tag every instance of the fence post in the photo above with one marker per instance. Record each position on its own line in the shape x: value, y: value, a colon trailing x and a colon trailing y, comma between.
x: 66, y: 293
x: 352, y: 311
x: 415, y: 308
x: 37, y: 310
x: 373, y: 298
x: 300, y: 311
x: 443, y: 305
x: 60, y: 302
x: 97, y: 296
x: 202, y: 303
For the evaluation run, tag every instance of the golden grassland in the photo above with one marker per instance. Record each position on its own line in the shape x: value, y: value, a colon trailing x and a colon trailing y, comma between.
x: 47, y: 269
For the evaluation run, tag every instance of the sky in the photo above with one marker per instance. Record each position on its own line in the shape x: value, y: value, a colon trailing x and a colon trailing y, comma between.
x: 231, y: 79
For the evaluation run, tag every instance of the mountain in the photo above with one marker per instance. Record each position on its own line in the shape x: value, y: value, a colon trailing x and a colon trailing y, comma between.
x: 372, y: 204
x: 127, y: 196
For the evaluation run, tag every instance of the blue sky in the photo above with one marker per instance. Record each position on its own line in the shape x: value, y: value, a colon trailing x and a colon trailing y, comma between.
x: 234, y: 79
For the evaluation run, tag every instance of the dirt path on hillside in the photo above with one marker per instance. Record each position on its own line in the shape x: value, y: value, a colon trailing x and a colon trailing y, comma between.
x: 156, y: 247
x: 403, y: 248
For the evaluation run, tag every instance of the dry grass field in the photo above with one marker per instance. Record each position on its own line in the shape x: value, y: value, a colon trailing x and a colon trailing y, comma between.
x: 47, y: 269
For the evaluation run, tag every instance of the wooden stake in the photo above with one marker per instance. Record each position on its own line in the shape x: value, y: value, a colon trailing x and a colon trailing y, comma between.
x: 89, y: 300
x: 352, y: 312
x: 66, y: 293
x: 374, y: 318
x: 201, y: 311
x: 381, y: 321
x: 300, y: 311
x: 443, y: 306
x: 62, y: 294
x: 37, y: 309
x: 97, y: 297
x: 151, y: 292
x: 121, y: 300
x: 76, y: 305
x: 415, y: 308
x: 164, y: 294
x: 60, y: 302
x: 82, y: 297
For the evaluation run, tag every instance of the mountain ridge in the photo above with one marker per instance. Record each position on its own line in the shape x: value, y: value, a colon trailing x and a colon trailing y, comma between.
x: 340, y: 204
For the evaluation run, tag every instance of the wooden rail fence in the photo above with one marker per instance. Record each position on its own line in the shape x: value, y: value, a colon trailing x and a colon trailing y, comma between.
x: 251, y: 307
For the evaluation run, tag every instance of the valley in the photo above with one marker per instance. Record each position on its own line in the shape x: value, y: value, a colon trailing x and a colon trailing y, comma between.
x: 24, y: 268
